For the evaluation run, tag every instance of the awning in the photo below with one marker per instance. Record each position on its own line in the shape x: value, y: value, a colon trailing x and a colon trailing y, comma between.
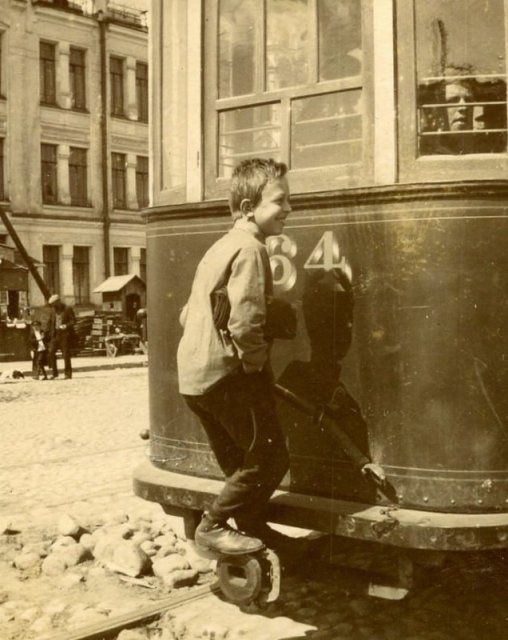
x: 116, y: 283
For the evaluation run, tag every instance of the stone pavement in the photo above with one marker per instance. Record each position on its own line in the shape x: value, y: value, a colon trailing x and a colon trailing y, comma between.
x: 84, y: 363
x: 70, y: 446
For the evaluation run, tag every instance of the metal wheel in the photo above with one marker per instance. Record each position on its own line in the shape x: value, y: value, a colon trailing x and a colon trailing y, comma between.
x: 239, y: 578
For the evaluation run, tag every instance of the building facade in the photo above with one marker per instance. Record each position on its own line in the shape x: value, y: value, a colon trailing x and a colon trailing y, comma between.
x: 74, y: 140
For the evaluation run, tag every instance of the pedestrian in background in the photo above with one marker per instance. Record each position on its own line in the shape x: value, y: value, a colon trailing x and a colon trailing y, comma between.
x: 61, y: 335
x: 39, y: 350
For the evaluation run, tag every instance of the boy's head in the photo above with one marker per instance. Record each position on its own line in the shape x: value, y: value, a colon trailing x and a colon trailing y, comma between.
x: 259, y: 192
x: 249, y: 179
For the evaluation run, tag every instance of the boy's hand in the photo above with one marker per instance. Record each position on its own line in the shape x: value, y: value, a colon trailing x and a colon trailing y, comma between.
x: 63, y: 326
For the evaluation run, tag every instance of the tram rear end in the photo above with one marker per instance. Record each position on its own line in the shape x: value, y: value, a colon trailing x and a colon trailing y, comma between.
x: 394, y: 256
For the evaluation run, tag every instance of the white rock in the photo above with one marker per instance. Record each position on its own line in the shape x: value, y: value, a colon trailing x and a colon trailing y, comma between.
x: 40, y: 548
x: 181, y: 578
x: 67, y: 525
x: 63, y: 541
x: 141, y: 536
x: 42, y: 625
x: 88, y: 541
x: 29, y: 614
x: 5, y: 525
x: 168, y: 539
x: 53, y: 565
x: 148, y: 547
x: 73, y: 555
x: 203, y: 565
x: 174, y: 562
x: 71, y: 580
x: 27, y: 560
x: 55, y: 607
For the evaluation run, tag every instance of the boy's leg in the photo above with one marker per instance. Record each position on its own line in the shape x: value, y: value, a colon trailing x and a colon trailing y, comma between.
x: 228, y: 455
x: 248, y: 414
x: 53, y: 346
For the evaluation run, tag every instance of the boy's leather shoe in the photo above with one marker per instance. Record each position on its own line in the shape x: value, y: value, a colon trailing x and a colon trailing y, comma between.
x: 219, y: 537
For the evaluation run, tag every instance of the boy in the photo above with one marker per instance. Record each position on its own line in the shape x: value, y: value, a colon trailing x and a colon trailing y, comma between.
x: 39, y: 351
x: 224, y: 376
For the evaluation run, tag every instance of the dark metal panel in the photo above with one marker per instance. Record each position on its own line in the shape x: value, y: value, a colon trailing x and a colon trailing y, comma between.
x: 402, y: 330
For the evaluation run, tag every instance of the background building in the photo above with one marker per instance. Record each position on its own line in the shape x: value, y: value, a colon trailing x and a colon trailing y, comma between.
x: 74, y: 140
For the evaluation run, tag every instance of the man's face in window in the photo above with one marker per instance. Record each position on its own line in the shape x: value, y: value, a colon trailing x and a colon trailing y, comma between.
x: 460, y: 113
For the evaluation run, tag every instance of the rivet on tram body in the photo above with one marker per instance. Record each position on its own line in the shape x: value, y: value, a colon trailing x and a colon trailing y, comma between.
x: 452, y: 501
x: 425, y: 498
x: 480, y: 501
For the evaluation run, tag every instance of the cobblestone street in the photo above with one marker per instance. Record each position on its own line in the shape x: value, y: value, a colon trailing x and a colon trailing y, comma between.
x: 71, y: 447
x: 71, y: 444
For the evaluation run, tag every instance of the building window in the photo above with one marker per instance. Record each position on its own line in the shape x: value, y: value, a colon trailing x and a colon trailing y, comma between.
x: 142, y: 264
x: 117, y: 82
x: 142, y: 90
x: 78, y: 177
x: 1, y: 62
x: 118, y: 161
x: 2, y: 187
x: 120, y: 261
x: 47, y: 73
x: 77, y: 78
x: 142, y: 181
x: 287, y: 84
x: 81, y: 274
x: 51, y: 260
x: 49, y: 174
x: 461, y: 105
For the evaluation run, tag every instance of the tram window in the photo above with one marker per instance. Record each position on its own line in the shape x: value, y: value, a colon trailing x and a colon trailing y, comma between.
x: 461, y: 77
x: 287, y: 84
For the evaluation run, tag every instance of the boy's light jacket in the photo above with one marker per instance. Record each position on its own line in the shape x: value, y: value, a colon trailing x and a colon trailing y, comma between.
x: 204, y: 356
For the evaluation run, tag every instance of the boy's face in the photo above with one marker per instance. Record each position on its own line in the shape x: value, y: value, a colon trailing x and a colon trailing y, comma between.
x: 273, y: 208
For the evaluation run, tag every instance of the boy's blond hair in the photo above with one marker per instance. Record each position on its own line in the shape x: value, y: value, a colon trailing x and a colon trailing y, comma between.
x: 249, y: 179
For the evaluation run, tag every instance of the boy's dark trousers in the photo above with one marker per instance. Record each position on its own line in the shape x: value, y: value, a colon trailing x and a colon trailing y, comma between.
x: 60, y: 341
x: 239, y: 417
x: 39, y: 360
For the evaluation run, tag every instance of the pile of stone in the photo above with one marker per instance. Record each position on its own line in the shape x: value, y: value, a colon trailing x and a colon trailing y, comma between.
x: 138, y: 547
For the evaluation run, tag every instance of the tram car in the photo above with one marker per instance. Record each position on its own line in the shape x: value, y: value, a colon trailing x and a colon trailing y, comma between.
x: 391, y: 116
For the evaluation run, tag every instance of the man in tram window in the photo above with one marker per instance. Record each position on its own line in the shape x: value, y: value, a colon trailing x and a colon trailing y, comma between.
x: 471, y: 116
x: 223, y: 362
x: 454, y: 118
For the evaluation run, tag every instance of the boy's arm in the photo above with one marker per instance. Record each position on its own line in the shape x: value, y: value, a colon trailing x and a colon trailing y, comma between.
x: 246, y: 293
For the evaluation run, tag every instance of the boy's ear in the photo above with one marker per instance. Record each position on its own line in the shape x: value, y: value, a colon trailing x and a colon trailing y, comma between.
x: 245, y: 206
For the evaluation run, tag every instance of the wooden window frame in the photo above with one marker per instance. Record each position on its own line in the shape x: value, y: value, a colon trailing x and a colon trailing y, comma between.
x: 46, y: 164
x: 78, y: 176
x: 117, y: 86
x: 302, y: 180
x: 142, y: 91
x: 51, y: 273
x: 429, y: 168
x: 142, y: 264
x: 142, y: 181
x: 78, y: 265
x: 2, y: 170
x: 121, y: 260
x: 77, y: 78
x: 47, y: 70
x: 119, y: 180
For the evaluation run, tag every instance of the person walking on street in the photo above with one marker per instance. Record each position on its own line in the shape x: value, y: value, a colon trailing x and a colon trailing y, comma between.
x: 224, y: 374
x: 61, y: 332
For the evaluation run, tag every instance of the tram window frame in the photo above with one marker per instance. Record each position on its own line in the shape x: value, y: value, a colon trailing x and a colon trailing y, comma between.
x: 304, y: 179
x: 435, y: 168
